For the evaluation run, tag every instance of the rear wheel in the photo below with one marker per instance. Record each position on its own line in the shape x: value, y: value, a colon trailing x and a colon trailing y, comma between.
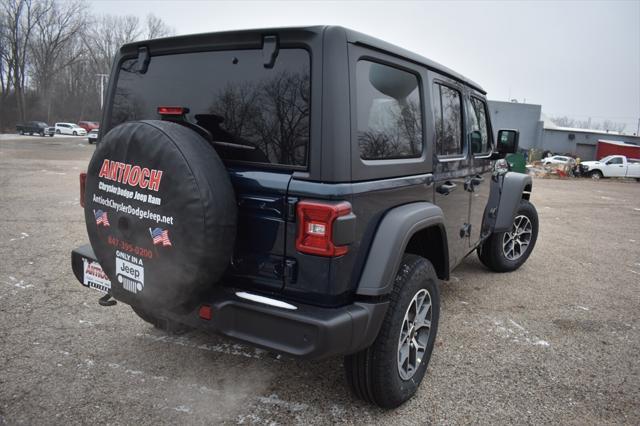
x: 21, y: 132
x: 507, y: 251
x: 75, y: 133
x: 57, y: 131
x: 389, y: 372
x: 42, y: 133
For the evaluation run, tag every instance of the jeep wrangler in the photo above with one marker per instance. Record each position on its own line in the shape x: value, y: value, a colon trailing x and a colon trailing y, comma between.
x: 303, y: 190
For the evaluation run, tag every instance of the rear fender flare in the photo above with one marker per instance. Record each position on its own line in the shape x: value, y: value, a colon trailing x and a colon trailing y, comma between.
x: 389, y: 244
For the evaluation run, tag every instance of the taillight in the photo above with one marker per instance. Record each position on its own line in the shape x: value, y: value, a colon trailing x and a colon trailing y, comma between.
x: 315, y: 227
x: 83, y: 185
x: 205, y: 312
x: 172, y: 110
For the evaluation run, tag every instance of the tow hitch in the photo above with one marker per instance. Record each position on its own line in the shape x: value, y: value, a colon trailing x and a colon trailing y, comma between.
x: 106, y: 300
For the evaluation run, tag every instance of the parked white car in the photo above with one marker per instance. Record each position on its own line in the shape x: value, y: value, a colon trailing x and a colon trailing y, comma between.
x: 70, y: 129
x: 612, y: 166
x: 556, y: 159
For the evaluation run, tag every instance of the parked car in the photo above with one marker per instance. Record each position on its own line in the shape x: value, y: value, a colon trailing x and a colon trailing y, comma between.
x: 556, y: 159
x: 88, y: 125
x: 325, y: 229
x: 93, y: 136
x: 70, y: 129
x: 612, y: 166
x: 35, y: 128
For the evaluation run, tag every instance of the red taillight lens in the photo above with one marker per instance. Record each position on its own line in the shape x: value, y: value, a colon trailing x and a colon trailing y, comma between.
x: 172, y: 110
x: 83, y: 185
x: 315, y: 227
x: 205, y: 312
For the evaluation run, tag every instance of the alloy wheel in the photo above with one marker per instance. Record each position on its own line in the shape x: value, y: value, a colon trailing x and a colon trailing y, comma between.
x: 414, y: 335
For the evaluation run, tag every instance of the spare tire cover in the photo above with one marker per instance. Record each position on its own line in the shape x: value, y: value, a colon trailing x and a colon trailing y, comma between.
x: 160, y: 213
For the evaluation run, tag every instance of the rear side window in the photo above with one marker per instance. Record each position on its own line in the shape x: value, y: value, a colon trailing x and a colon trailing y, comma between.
x: 389, y: 118
x: 479, y: 124
x: 256, y: 114
x: 447, y: 107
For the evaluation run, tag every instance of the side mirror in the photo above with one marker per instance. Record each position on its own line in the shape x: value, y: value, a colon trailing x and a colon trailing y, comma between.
x: 508, y: 142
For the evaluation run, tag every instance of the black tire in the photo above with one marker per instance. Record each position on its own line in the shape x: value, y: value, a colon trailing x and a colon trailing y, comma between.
x: 42, y: 133
x: 51, y: 134
x: 58, y: 132
x: 596, y: 175
x: 492, y: 254
x: 165, y: 325
x: 75, y: 133
x: 373, y: 374
x: 194, y: 222
x: 21, y: 132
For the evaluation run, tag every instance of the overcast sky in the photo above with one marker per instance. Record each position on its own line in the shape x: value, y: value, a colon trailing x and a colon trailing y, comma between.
x: 580, y: 59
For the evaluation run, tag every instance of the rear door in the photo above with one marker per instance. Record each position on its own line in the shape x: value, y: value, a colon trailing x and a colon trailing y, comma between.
x: 479, y: 135
x: 452, y: 165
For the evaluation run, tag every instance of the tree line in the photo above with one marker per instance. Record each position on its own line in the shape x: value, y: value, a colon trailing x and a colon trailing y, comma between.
x: 52, y: 56
x: 606, y: 125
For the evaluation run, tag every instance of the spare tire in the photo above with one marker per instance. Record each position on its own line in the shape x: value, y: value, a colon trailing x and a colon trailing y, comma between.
x: 160, y: 213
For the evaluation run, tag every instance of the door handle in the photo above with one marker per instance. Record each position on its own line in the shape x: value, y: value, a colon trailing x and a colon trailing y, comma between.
x: 446, y: 188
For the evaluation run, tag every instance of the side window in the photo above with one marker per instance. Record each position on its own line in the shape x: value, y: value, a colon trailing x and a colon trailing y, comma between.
x: 448, y: 120
x: 389, y: 118
x: 479, y: 127
x: 616, y: 160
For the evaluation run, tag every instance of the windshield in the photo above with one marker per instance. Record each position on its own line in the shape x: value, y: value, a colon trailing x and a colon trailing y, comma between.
x: 254, y: 113
x: 605, y: 159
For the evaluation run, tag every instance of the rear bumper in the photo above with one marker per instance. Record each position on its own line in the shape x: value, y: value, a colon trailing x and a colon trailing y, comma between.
x: 306, y: 331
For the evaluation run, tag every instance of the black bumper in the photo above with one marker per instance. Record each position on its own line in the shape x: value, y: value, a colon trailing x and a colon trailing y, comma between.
x: 306, y: 332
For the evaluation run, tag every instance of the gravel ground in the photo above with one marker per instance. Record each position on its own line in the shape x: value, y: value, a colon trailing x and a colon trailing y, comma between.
x: 554, y: 342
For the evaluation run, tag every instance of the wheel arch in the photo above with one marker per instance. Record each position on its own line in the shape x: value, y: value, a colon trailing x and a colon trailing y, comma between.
x: 515, y: 187
x: 416, y: 228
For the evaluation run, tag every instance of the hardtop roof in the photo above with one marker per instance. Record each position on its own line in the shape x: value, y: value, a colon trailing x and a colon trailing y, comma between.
x: 351, y: 36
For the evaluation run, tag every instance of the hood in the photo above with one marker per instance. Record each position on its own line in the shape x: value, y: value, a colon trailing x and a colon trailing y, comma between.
x: 589, y: 163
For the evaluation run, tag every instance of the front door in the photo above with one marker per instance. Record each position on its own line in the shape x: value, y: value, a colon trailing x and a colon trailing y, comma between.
x: 480, y: 139
x: 451, y: 165
x: 615, y: 168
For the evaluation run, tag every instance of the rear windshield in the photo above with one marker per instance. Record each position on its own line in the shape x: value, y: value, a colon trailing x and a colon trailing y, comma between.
x: 254, y: 113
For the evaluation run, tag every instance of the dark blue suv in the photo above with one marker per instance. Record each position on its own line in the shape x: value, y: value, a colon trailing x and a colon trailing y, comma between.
x: 300, y: 189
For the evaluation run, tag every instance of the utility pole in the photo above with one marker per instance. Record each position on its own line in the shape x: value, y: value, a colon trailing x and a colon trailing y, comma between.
x: 102, y: 77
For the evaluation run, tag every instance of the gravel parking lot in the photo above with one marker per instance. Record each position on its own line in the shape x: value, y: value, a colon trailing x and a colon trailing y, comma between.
x: 554, y: 342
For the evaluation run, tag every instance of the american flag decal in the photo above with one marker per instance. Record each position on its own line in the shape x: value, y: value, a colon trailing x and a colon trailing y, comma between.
x: 160, y: 237
x: 101, y: 218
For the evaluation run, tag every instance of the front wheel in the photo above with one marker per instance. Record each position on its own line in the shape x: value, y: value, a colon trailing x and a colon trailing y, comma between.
x: 75, y: 133
x: 389, y: 372
x: 596, y: 175
x: 507, y: 251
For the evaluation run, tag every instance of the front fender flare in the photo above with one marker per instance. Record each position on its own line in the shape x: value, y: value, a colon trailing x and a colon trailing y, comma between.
x: 512, y: 188
x: 391, y: 239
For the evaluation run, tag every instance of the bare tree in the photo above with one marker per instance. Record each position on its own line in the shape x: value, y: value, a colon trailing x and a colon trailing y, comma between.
x: 156, y: 27
x: 21, y: 17
x: 105, y: 36
x: 52, y: 44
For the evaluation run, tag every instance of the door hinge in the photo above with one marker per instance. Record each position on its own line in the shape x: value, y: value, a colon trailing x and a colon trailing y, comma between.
x: 291, y: 209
